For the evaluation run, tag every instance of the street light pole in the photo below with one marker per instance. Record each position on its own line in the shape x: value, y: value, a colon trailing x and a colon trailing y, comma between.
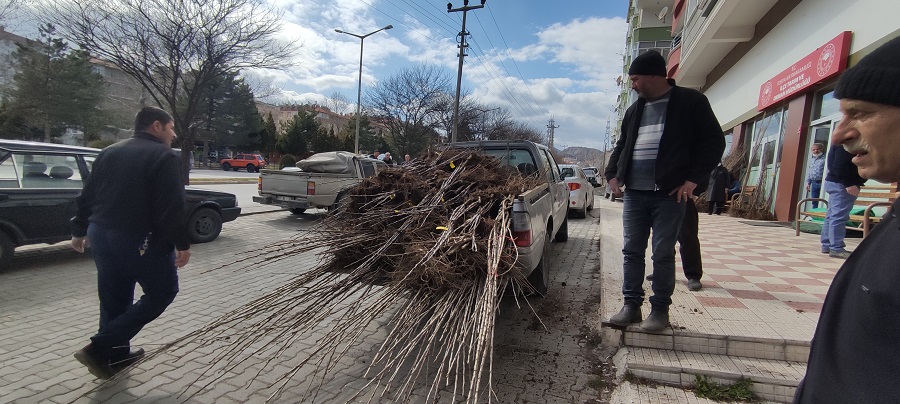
x: 483, y: 126
x: 359, y: 80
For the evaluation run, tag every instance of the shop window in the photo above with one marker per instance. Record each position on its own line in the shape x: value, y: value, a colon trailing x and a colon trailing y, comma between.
x: 825, y: 104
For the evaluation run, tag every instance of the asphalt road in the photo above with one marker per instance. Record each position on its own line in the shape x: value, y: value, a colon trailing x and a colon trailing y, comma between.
x: 49, y: 309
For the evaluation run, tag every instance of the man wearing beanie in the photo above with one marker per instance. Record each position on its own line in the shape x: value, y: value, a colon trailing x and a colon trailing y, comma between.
x: 670, y: 141
x: 855, y: 352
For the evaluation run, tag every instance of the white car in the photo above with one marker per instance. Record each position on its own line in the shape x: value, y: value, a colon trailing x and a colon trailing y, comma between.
x: 581, y: 192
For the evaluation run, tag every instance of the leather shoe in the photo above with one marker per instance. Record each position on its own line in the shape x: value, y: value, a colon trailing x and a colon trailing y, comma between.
x: 657, y: 321
x: 628, y: 315
x: 133, y: 356
x: 96, y: 361
x: 694, y: 285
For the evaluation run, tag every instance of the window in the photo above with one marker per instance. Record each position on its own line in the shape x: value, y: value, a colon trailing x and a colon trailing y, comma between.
x: 567, y: 172
x: 48, y: 171
x: 368, y: 169
x: 8, y: 173
x: 520, y: 159
x: 825, y: 104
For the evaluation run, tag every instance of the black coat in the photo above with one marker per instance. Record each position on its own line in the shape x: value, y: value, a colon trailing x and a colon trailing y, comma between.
x: 690, y: 147
x: 135, y: 186
x: 855, y: 351
x: 718, y: 181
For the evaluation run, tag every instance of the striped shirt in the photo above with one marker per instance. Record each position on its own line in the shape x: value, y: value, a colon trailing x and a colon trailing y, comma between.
x: 642, y: 175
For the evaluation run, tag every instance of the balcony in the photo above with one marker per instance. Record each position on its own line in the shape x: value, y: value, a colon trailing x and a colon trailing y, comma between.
x: 712, y: 28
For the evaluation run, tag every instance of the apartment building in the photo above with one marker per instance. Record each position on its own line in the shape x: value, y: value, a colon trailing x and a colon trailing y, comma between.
x: 769, y: 68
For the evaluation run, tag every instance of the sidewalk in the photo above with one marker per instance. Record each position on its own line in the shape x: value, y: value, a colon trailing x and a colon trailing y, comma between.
x: 763, y: 289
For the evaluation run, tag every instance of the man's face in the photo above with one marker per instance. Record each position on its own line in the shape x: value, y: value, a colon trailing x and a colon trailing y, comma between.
x: 871, y: 132
x: 816, y: 150
x: 165, y: 132
x: 641, y: 84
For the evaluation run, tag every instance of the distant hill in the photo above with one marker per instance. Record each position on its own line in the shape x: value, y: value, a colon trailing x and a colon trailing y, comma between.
x: 583, y: 156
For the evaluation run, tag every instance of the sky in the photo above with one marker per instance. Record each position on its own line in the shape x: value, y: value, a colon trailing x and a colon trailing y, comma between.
x: 537, y: 59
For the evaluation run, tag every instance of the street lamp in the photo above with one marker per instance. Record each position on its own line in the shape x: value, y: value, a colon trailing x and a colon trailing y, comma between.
x: 359, y: 89
x: 483, y: 113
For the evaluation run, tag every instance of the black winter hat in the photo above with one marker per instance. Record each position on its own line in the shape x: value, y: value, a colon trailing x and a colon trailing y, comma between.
x: 876, y: 78
x: 649, y: 63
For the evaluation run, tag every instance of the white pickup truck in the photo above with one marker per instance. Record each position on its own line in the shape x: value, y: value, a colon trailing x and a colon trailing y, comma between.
x: 539, y: 215
x: 316, y: 182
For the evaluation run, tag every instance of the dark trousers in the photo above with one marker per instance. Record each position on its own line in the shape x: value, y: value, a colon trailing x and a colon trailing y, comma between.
x: 643, y: 211
x: 815, y: 189
x: 689, y: 243
x: 119, y: 267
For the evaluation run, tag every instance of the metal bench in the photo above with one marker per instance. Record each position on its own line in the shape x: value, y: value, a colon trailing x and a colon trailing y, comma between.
x: 869, y: 198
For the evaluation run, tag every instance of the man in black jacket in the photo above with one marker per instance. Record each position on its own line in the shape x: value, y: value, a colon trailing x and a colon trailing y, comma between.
x: 854, y: 353
x: 842, y: 185
x: 132, y: 213
x: 670, y: 141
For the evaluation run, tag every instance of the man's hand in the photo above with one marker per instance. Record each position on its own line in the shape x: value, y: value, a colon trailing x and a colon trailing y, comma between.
x: 685, y: 192
x: 182, y: 258
x: 807, y: 187
x: 614, y: 187
x: 79, y: 243
x: 853, y: 190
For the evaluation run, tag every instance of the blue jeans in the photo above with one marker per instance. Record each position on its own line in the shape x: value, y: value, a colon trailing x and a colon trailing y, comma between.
x: 815, y: 189
x: 119, y: 267
x: 840, y: 203
x: 643, y: 211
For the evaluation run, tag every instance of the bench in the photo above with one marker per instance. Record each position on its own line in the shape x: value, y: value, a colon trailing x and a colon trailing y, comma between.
x: 869, y: 198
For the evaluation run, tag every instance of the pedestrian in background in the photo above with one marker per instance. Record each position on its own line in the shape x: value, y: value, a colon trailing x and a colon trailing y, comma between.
x: 853, y: 357
x: 132, y: 214
x: 718, y: 180
x: 388, y: 159
x: 842, y: 185
x: 670, y: 141
x: 814, y: 172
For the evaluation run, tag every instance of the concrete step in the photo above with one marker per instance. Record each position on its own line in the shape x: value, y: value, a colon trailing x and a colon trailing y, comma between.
x: 629, y: 393
x: 749, y: 347
x: 773, y: 380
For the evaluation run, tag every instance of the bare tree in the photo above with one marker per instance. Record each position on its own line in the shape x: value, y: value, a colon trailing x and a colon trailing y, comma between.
x: 409, y: 104
x: 338, y: 103
x: 175, y: 48
x: 8, y: 7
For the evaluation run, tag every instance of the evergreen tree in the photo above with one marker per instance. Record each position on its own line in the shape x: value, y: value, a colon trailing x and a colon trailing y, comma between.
x: 298, y: 132
x: 55, y: 88
x: 229, y: 116
x: 267, y: 142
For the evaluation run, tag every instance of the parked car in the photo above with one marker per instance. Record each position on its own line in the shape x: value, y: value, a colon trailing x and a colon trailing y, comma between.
x: 40, y: 181
x: 581, y: 191
x: 251, y: 162
x: 592, y: 174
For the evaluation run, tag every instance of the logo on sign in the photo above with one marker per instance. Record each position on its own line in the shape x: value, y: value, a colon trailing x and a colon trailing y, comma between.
x: 826, y: 59
x: 767, y: 92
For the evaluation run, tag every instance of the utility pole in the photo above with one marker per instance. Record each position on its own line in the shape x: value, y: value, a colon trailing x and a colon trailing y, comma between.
x: 462, y: 54
x: 550, y: 129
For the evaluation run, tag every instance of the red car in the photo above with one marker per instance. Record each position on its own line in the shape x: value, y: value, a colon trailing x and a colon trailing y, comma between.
x: 251, y: 162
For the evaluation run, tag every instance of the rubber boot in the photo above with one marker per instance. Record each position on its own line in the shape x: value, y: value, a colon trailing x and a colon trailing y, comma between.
x: 628, y: 315
x: 657, y: 321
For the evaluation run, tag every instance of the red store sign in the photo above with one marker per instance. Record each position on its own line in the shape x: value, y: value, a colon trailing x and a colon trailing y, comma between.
x: 824, y: 63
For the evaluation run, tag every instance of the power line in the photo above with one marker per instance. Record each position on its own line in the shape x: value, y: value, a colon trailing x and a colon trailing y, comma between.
x: 533, y: 99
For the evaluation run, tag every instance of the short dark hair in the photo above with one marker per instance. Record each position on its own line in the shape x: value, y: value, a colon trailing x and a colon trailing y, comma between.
x: 147, y: 115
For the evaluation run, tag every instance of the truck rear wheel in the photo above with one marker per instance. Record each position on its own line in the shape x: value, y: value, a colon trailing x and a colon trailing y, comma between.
x: 251, y: 168
x: 297, y: 211
x: 540, y: 276
x: 563, y: 233
x: 7, y: 249
x: 226, y: 167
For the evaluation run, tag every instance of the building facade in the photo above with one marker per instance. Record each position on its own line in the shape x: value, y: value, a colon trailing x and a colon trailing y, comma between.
x: 769, y: 68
